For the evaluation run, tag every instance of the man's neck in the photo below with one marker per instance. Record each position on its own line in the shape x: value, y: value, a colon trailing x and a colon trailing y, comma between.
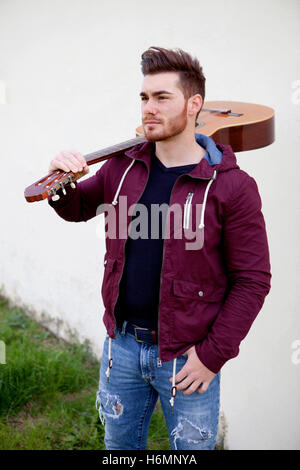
x: 181, y: 149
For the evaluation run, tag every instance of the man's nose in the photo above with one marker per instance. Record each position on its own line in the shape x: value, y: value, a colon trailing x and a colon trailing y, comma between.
x: 150, y: 107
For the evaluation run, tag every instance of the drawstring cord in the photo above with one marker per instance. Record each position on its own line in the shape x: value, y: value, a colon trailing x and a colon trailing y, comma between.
x: 109, y: 360
x: 115, y: 202
x: 173, y: 389
x: 201, y: 225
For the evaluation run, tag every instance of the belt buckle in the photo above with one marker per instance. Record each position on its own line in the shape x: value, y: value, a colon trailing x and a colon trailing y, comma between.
x: 138, y: 328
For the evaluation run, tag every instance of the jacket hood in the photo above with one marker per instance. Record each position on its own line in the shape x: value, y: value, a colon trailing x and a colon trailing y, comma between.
x: 219, y: 157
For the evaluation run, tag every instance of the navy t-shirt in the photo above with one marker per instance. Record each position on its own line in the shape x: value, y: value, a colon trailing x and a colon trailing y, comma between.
x: 138, y: 299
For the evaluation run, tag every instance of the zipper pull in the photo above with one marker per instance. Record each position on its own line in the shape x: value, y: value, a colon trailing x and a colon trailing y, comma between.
x: 187, y: 206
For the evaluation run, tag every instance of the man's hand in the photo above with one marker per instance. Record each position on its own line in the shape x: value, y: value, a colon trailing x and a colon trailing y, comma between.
x: 193, y: 374
x: 69, y: 160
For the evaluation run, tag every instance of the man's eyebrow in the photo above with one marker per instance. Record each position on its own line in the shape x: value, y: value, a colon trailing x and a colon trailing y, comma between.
x: 155, y: 93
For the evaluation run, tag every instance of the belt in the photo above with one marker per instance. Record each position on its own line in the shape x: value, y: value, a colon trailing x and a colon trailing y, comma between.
x: 142, y: 335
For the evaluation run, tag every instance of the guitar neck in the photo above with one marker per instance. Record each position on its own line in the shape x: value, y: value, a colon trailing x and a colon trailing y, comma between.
x: 113, y: 151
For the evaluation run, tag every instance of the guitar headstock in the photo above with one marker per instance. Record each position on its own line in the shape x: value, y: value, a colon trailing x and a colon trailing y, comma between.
x: 50, y: 184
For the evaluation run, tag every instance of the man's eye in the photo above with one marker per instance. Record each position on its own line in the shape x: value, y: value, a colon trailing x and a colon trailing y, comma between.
x: 143, y: 98
x: 162, y: 98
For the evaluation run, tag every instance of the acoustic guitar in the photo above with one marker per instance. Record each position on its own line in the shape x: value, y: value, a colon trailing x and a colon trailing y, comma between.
x: 244, y: 126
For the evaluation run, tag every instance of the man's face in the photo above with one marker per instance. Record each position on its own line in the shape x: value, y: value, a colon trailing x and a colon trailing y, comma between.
x: 164, y: 107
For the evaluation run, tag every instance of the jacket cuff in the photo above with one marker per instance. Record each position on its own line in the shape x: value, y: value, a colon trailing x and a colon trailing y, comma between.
x: 212, y: 361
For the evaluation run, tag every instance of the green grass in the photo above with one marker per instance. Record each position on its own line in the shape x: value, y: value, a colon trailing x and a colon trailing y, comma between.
x: 48, y: 391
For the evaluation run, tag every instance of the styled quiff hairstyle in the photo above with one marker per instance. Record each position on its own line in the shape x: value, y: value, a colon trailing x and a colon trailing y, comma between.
x: 191, y: 77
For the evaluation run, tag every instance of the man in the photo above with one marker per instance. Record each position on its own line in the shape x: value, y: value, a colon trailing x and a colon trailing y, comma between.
x: 175, y: 309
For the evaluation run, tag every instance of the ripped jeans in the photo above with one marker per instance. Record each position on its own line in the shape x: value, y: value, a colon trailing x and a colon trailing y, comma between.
x: 137, y: 378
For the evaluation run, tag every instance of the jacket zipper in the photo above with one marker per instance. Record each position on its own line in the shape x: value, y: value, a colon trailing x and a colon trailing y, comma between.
x: 187, y: 207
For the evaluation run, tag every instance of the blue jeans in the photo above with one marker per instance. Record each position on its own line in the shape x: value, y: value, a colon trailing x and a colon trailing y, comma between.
x: 137, y: 378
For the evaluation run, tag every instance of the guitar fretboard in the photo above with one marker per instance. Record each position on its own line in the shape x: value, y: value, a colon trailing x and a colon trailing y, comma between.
x: 95, y: 157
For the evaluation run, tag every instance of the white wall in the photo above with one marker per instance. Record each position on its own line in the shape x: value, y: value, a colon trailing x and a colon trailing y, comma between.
x: 71, y: 69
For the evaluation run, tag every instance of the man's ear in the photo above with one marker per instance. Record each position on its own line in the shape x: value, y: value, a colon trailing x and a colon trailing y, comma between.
x: 194, y: 104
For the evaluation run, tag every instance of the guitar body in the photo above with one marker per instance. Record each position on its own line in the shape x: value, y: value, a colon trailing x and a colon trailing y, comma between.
x: 252, y: 129
x: 244, y: 126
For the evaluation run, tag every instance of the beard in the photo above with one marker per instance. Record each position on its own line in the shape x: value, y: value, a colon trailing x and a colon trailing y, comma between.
x: 166, y: 128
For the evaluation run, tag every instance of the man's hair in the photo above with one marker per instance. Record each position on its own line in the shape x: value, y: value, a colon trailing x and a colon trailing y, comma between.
x: 191, y: 77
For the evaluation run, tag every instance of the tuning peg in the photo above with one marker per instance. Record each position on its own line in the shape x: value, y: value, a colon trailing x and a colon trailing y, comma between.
x: 73, y: 185
x: 64, y: 191
x: 56, y: 197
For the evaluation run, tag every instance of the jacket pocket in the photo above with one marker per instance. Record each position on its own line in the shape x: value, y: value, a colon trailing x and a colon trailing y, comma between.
x: 108, y: 281
x: 193, y: 309
x: 202, y: 291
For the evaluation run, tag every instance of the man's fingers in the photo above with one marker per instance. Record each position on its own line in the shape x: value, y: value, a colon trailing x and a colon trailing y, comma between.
x: 60, y: 164
x: 83, y: 166
x: 80, y: 158
x: 69, y: 160
x: 192, y: 388
x: 72, y: 161
x: 187, y: 381
x: 190, y: 385
x: 184, y: 383
x: 202, y: 387
x: 193, y: 376
x: 181, y: 374
x: 196, y: 386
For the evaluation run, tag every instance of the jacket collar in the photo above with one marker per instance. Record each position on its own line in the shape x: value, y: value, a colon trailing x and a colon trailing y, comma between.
x: 203, y: 170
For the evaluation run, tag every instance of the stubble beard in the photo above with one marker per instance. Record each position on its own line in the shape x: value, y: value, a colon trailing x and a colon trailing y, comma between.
x: 173, y: 127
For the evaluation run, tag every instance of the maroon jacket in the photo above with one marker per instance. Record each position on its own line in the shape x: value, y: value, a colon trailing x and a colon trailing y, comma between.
x: 210, y: 295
